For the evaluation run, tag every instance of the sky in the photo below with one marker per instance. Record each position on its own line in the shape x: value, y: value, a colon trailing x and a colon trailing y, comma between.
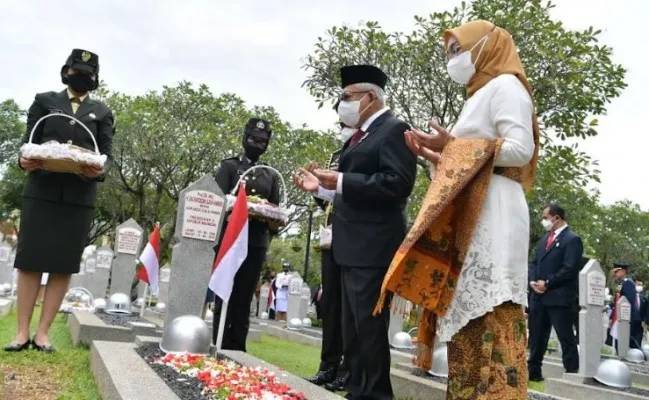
x: 254, y: 48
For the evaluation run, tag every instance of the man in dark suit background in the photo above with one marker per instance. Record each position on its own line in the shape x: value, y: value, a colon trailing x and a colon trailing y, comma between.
x: 554, y: 285
x: 376, y: 174
x: 644, y: 308
x: 628, y: 290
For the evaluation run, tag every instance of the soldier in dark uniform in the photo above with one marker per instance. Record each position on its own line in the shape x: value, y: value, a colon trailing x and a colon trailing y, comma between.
x: 264, y: 184
x: 628, y: 290
x: 332, y: 371
x: 58, y: 208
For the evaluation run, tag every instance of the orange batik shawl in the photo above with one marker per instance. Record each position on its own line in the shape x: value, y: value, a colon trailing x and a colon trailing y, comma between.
x: 426, y: 268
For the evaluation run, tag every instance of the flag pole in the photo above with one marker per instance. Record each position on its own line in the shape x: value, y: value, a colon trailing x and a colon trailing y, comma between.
x: 146, y: 288
x: 222, y: 316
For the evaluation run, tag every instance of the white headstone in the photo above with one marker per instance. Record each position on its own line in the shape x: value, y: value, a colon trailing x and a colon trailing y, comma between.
x: 304, y: 300
x: 104, y: 257
x: 294, y: 295
x: 623, y: 326
x: 396, y: 318
x: 97, y: 278
x: 5, y: 269
x: 592, y: 284
x: 163, y: 283
x: 201, y: 208
x: 128, y: 240
x: 263, y: 298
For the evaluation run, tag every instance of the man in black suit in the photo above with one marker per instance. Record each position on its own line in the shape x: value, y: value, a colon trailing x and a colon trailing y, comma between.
x: 628, y: 290
x: 261, y: 183
x: 376, y: 174
x: 554, y: 285
x: 644, y: 309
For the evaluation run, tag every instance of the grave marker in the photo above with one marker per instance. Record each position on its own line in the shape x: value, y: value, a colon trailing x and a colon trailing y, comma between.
x: 201, y: 208
x: 304, y: 300
x: 263, y: 298
x: 5, y: 270
x: 623, y: 326
x: 95, y: 280
x: 294, y: 295
x: 592, y: 285
x: 396, y: 319
x: 163, y: 283
x: 104, y: 261
x: 127, y: 246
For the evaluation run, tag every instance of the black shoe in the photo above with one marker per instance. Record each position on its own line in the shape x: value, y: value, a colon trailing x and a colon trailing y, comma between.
x: 538, y: 378
x: 337, y: 385
x: 348, y: 396
x: 15, y: 347
x: 324, y: 376
x: 48, y: 348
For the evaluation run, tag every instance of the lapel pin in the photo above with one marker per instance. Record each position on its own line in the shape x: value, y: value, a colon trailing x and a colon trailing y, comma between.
x: 557, y: 244
x: 92, y: 116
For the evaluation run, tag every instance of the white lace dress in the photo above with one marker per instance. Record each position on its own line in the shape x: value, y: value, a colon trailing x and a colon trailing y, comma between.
x: 495, y: 269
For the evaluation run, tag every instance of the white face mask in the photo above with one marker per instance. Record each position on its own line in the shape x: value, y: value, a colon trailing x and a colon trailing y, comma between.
x: 460, y: 68
x: 547, y: 224
x: 349, y: 112
x: 639, y: 289
x: 346, y: 133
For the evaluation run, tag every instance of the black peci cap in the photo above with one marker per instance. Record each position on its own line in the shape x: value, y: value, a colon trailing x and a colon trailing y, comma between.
x: 352, y: 74
x: 620, y: 266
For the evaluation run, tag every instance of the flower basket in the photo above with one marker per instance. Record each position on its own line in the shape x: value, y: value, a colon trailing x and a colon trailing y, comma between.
x: 62, y: 157
x: 260, y: 209
x: 223, y: 379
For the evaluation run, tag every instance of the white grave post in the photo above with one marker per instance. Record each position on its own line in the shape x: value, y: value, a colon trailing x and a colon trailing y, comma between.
x: 304, y: 300
x: 163, y: 284
x: 201, y: 209
x: 396, y: 319
x: 127, y: 247
x: 592, y: 285
x: 623, y: 326
x: 263, y: 298
x: 294, y: 294
x: 104, y: 261
x: 5, y: 255
x: 94, y: 278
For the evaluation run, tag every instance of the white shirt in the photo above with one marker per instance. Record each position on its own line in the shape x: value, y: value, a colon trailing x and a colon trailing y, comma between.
x: 495, y: 268
x: 328, y: 194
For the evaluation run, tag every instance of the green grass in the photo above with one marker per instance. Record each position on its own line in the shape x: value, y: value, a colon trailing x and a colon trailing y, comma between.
x: 67, y: 370
x: 302, y: 360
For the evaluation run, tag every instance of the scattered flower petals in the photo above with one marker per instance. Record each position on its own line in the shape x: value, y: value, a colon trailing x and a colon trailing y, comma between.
x: 227, y: 380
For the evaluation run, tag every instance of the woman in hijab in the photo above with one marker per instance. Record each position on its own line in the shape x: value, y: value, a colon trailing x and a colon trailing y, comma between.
x: 471, y: 235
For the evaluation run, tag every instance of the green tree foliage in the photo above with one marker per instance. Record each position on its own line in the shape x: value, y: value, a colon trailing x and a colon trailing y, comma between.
x: 572, y: 74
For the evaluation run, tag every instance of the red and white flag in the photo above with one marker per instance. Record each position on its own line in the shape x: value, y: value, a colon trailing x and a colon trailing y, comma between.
x: 150, y: 260
x: 233, y: 250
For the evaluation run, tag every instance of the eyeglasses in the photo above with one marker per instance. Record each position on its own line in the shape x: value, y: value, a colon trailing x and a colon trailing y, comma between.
x: 344, y: 96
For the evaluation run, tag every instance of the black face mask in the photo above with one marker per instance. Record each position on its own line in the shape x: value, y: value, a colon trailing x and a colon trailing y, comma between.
x: 254, y: 149
x: 81, y: 83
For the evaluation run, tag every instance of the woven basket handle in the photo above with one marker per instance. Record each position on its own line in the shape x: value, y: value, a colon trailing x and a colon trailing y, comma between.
x: 31, y: 135
x: 236, y: 187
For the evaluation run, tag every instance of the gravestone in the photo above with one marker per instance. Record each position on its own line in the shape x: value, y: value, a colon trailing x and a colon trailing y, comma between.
x: 294, y: 295
x: 592, y: 285
x: 304, y: 300
x: 253, y: 305
x: 623, y: 326
x: 5, y: 269
x: 127, y: 246
x: 94, y: 279
x: 163, y: 283
x: 396, y: 318
x: 79, y: 279
x: 200, y: 216
x: 104, y: 261
x: 263, y: 298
